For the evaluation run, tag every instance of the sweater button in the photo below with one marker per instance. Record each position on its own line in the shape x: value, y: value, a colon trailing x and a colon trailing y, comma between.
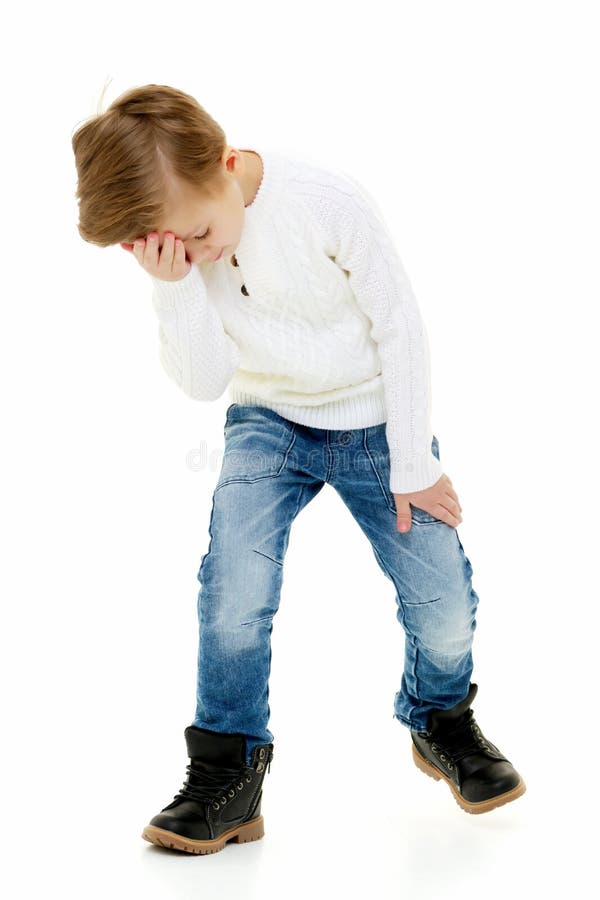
x: 244, y: 291
x: 234, y: 261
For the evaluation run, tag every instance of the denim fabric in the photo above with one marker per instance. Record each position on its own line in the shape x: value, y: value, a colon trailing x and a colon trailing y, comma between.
x: 271, y: 469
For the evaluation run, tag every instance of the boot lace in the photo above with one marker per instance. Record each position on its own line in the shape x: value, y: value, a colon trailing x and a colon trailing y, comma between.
x: 217, y: 787
x: 212, y: 787
x: 460, y: 740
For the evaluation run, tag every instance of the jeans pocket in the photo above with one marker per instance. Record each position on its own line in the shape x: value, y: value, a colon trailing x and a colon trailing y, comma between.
x: 422, y: 517
x: 229, y: 414
x: 257, y: 444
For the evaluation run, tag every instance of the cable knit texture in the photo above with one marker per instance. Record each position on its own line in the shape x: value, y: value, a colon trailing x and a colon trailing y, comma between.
x: 317, y: 321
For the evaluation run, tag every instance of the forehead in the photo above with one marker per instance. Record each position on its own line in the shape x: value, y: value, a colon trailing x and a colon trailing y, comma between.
x: 181, y: 196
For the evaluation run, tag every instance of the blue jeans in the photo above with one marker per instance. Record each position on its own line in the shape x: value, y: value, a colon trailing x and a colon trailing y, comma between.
x: 272, y: 468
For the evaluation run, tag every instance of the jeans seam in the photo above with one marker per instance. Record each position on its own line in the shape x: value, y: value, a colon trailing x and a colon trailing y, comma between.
x: 329, y: 472
x: 376, y: 473
x: 414, y: 668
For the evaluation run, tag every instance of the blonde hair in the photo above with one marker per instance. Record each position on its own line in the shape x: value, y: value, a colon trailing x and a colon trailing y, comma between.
x: 127, y: 156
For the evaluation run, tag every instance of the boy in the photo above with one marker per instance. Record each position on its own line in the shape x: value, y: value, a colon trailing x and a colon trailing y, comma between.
x: 278, y: 279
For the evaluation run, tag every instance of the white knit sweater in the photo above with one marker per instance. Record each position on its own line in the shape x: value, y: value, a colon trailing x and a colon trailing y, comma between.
x: 329, y: 333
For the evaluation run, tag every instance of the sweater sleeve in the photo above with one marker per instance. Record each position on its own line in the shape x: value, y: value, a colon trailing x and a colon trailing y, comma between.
x: 195, y: 350
x: 359, y: 241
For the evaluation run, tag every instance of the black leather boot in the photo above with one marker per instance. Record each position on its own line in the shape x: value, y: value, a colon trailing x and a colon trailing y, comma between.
x: 454, y: 748
x: 221, y: 797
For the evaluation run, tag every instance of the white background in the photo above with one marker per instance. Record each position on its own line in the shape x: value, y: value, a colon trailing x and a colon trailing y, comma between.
x: 475, y: 127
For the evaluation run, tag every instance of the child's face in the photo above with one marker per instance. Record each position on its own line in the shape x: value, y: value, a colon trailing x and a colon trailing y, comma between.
x: 210, y: 228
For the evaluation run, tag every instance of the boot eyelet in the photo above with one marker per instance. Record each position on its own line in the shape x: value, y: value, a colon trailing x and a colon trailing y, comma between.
x: 240, y: 786
x: 260, y: 767
x: 231, y: 793
x: 261, y: 752
x: 450, y: 765
x: 215, y: 805
x: 249, y: 778
x: 223, y: 801
x: 442, y: 756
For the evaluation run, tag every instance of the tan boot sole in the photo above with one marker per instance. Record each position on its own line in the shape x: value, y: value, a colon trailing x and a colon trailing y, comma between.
x: 241, y: 834
x: 483, y: 805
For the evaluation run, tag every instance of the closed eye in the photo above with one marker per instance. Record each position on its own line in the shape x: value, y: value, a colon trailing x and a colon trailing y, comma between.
x: 202, y: 236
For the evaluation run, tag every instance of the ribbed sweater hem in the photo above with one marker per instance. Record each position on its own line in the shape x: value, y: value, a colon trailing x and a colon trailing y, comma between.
x: 352, y: 412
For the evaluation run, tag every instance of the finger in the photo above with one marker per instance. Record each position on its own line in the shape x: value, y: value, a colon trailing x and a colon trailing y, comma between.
x: 403, y: 523
x: 403, y: 515
x: 151, y: 252
x: 452, y: 503
x: 165, y: 263
x: 127, y: 246
x: 177, y: 247
x: 451, y: 518
x: 138, y: 250
x: 450, y: 492
x: 179, y: 252
x: 453, y: 496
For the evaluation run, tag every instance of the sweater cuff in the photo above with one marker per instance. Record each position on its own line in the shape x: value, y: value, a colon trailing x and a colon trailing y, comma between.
x: 190, y: 285
x: 416, y: 473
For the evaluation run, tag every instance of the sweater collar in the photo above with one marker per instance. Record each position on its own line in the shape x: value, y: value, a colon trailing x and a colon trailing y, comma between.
x: 269, y: 188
